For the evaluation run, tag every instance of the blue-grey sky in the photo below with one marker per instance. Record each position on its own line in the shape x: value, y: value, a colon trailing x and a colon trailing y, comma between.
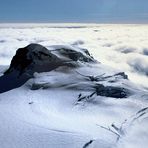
x: 104, y: 11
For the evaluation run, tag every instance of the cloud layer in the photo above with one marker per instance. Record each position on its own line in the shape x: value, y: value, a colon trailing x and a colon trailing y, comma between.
x: 124, y: 47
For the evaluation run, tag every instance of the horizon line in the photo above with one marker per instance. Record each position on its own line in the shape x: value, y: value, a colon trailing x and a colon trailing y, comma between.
x: 31, y: 22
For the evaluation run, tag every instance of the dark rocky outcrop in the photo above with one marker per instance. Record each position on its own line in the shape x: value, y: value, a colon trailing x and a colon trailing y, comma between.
x: 106, y: 91
x: 33, y: 58
x: 36, y: 58
x: 36, y: 86
x: 111, y: 91
x: 73, y: 55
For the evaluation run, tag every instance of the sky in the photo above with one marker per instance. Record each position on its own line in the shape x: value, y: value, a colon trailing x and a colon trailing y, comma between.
x: 101, y: 11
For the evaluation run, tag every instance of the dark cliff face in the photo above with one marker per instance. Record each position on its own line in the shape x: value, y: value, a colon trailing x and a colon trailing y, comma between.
x: 36, y: 58
x: 19, y: 61
x: 33, y: 58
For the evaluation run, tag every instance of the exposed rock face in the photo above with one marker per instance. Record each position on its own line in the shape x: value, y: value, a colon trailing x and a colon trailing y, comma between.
x: 33, y: 58
x: 73, y: 55
x: 111, y: 91
x: 36, y: 58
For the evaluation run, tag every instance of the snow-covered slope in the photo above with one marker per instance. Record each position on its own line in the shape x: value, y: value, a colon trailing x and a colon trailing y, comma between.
x: 59, y: 109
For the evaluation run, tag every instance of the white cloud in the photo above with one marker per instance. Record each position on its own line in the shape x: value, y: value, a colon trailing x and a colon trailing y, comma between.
x: 113, y: 45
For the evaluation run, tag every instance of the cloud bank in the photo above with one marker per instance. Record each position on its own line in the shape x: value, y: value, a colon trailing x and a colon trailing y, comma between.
x: 123, y: 47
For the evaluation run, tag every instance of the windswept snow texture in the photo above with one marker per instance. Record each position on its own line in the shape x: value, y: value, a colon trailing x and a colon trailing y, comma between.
x: 58, y: 109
